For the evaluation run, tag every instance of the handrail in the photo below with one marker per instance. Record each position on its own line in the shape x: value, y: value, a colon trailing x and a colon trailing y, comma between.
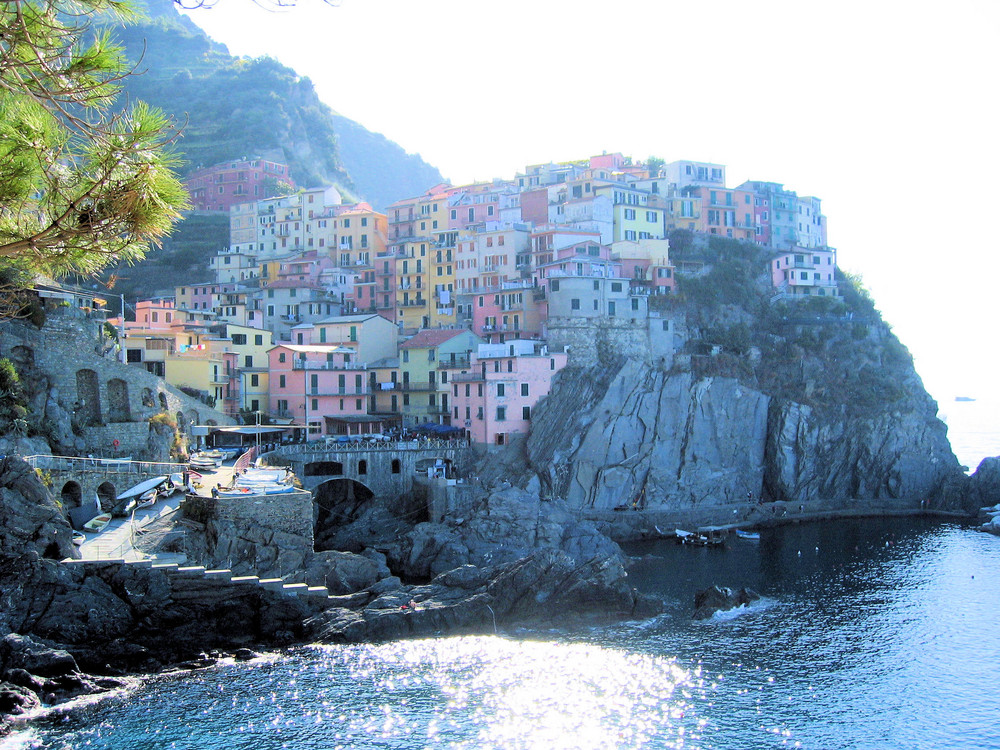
x: 107, y: 465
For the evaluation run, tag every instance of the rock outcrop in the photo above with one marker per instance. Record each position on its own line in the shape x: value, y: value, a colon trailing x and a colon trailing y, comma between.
x: 721, y: 599
x: 507, y: 525
x: 548, y: 588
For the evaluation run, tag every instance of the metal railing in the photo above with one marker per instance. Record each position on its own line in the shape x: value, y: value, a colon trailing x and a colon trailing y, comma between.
x: 104, y: 465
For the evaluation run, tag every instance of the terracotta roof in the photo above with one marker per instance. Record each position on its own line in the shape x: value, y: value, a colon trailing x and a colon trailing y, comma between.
x: 430, y: 338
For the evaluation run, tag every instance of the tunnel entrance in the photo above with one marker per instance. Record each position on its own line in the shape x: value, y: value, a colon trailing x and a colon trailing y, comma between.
x: 338, y: 502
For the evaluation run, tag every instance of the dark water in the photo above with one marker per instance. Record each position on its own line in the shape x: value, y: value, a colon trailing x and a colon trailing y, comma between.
x: 871, y: 634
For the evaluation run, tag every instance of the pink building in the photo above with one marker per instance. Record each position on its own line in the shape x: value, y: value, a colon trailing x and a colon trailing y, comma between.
x: 494, y: 398
x: 805, y: 272
x: 514, y: 310
x: 220, y: 186
x: 318, y: 385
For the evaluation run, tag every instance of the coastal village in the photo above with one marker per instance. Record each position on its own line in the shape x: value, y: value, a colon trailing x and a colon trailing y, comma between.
x: 452, y: 311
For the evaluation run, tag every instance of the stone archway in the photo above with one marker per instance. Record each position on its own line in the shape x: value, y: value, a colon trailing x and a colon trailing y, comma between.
x: 107, y: 495
x: 88, y: 398
x: 337, y: 502
x: 147, y: 398
x: 119, y: 409
x: 163, y: 400
x: 71, y: 495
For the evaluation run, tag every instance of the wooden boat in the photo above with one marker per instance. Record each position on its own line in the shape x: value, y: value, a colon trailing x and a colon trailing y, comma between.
x: 98, y: 522
x: 79, y: 538
x: 753, y: 536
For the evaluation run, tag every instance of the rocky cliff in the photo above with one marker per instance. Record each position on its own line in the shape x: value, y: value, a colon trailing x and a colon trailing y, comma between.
x: 812, y: 403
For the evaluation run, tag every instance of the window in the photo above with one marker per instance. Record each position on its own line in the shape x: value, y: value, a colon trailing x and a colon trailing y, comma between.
x: 525, y: 412
x: 574, y: 304
x: 362, y: 467
x: 524, y: 389
x: 651, y: 217
x: 255, y: 380
x: 248, y: 360
x: 239, y: 339
x: 616, y: 286
x: 630, y: 234
x: 501, y: 413
x: 500, y: 389
x: 554, y: 285
x: 281, y: 381
x: 629, y: 213
x: 406, y: 355
x: 281, y: 356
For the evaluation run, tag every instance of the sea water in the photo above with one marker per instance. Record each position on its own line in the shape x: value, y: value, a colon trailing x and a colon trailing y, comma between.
x: 871, y: 633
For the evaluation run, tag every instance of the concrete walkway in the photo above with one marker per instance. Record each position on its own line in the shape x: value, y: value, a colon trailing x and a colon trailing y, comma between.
x: 119, y: 538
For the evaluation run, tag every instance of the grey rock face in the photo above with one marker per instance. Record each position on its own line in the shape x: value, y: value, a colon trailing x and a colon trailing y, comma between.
x: 29, y: 518
x: 506, y: 526
x: 670, y: 442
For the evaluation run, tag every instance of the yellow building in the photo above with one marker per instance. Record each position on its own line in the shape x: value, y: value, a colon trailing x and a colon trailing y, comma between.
x: 250, y: 346
x: 413, y: 289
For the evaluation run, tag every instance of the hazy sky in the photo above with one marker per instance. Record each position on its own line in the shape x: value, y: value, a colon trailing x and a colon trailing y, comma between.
x: 885, y: 110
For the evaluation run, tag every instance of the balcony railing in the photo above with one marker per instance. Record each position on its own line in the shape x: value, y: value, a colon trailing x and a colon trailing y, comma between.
x: 447, y: 364
x: 300, y: 364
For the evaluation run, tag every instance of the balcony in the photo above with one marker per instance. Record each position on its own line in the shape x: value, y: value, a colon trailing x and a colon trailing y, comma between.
x: 419, y: 387
x: 414, y: 303
x: 447, y: 364
x: 300, y: 364
x: 467, y: 377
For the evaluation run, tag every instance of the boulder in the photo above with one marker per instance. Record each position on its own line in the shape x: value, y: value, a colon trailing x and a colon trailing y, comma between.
x: 24, y: 652
x: 719, y: 599
x: 16, y: 700
x: 984, y: 484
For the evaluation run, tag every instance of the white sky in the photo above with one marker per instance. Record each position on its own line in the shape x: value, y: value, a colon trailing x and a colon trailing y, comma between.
x: 886, y: 110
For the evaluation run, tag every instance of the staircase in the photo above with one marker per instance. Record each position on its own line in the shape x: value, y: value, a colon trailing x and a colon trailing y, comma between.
x: 221, y: 577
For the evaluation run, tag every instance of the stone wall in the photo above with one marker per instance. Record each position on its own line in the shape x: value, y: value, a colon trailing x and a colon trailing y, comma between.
x: 107, y: 398
x: 288, y: 513
x: 602, y: 341
x: 387, y: 470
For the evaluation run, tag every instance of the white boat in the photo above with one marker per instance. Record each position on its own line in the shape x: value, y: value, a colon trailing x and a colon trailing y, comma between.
x: 143, y: 487
x: 124, y: 461
x: 256, y: 489
x: 98, y: 523
x: 204, y: 462
x: 79, y: 538
x: 753, y: 536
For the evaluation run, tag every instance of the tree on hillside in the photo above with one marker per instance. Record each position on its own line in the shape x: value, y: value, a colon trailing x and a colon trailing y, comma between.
x: 81, y: 184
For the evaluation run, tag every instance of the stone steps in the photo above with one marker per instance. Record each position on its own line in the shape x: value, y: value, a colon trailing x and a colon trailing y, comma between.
x: 225, y: 576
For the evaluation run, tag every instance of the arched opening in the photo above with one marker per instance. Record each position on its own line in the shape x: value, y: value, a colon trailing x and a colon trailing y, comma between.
x: 362, y: 467
x: 147, y: 398
x: 338, y: 502
x: 106, y: 495
x: 71, y: 495
x: 181, y: 423
x: 396, y: 466
x: 75, y: 509
x: 118, y: 406
x: 163, y: 400
x: 323, y: 469
x: 88, y: 398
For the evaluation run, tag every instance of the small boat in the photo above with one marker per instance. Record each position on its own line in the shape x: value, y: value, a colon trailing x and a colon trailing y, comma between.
x: 753, y: 536
x: 79, y: 538
x: 98, y: 523
x: 204, y: 462
x: 143, y: 488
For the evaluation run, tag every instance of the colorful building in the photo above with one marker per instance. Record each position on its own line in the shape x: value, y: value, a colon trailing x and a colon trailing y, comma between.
x: 805, y: 272
x: 423, y: 373
x: 494, y: 397
x: 222, y: 185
